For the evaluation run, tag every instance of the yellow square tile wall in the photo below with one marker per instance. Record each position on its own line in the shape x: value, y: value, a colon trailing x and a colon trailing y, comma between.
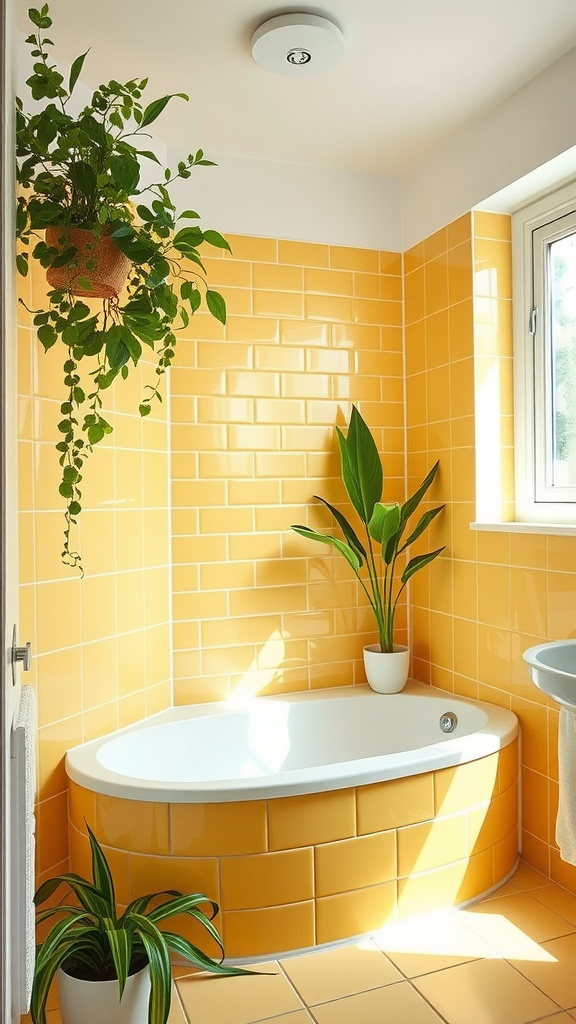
x: 492, y: 594
x: 101, y: 645
x: 311, y: 330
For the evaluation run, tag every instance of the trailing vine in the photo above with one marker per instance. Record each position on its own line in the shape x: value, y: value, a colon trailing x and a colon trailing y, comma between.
x: 84, y: 171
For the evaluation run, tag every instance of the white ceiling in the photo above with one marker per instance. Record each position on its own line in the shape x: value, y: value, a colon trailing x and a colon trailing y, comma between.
x: 413, y: 72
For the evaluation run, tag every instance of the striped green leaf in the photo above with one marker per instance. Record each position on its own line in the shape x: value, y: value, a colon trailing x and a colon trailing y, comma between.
x: 120, y: 942
x: 61, y: 933
x: 199, y: 959
x: 181, y: 905
x: 43, y: 977
x: 160, y: 972
x: 101, y: 875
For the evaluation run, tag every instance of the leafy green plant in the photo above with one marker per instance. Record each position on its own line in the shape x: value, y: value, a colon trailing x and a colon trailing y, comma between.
x: 84, y: 171
x: 91, y: 941
x: 384, y: 526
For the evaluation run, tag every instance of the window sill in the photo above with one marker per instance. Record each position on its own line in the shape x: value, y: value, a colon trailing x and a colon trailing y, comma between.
x: 565, y: 529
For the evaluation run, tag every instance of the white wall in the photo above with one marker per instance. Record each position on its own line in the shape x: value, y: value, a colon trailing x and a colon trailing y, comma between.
x: 296, y: 201
x: 530, y: 128
x: 320, y: 204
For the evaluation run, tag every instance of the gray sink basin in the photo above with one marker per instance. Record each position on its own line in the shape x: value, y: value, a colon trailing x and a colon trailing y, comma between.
x: 552, y: 667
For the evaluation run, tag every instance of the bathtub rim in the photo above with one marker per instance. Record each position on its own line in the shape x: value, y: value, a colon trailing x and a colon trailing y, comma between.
x: 499, y: 731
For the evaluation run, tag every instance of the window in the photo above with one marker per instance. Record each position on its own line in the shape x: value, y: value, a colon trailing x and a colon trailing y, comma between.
x: 544, y: 249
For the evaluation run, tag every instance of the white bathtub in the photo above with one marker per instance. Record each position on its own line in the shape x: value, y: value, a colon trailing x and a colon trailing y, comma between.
x: 309, y: 818
x: 288, y: 745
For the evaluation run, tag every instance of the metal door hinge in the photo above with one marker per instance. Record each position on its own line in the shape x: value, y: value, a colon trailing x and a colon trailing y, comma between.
x: 20, y: 655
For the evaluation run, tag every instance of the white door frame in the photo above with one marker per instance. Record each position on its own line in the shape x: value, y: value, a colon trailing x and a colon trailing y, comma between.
x: 9, y: 999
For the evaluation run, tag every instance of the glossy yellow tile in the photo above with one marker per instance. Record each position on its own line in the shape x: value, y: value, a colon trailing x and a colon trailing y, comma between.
x: 414, y: 296
x: 355, y: 863
x: 59, y: 685
x: 309, y: 820
x: 204, y: 830
x: 187, y: 874
x: 388, y: 805
x: 459, y: 788
x: 52, y: 818
x: 250, y: 933
x: 492, y: 268
x: 436, y: 285
x: 355, y: 913
x: 255, y: 250
x: 430, y: 890
x: 267, y: 880
x: 53, y: 742
x: 492, y: 225
x: 492, y: 823
x: 431, y: 844
x: 132, y: 824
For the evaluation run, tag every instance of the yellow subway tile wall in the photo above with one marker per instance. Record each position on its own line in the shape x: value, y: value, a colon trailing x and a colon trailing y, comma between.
x: 101, y: 645
x: 311, y: 330
x: 294, y: 872
x: 491, y: 594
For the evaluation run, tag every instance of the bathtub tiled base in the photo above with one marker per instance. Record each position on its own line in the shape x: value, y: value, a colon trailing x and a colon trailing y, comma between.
x: 296, y: 872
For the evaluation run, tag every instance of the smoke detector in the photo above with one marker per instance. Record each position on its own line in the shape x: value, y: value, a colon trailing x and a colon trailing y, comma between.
x: 297, y: 45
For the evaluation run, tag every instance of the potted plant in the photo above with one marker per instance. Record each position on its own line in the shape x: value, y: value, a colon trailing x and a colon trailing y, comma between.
x: 114, y: 968
x: 383, y: 580
x: 83, y: 206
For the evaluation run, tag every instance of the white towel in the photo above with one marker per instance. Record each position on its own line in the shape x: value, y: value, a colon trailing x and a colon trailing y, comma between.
x: 566, y: 820
x: 23, y: 842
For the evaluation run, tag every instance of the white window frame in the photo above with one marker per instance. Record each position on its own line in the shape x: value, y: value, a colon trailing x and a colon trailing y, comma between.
x: 533, y: 227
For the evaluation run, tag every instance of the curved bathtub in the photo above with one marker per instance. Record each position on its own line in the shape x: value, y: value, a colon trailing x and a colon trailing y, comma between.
x: 286, y: 746
x: 309, y: 818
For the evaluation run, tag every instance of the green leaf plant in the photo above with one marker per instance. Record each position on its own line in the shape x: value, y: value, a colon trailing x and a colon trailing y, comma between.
x: 92, y: 941
x: 84, y: 171
x: 374, y: 562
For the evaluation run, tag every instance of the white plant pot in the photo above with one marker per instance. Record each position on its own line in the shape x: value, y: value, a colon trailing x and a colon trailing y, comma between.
x: 387, y: 671
x: 96, y: 1002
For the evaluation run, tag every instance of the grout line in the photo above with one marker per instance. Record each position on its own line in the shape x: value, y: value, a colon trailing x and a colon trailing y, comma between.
x: 176, y: 996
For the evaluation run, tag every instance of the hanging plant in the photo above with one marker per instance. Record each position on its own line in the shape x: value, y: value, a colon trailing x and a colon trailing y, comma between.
x: 84, y: 215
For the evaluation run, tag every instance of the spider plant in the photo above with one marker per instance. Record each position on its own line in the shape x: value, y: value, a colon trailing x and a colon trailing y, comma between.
x: 385, y: 526
x: 90, y: 940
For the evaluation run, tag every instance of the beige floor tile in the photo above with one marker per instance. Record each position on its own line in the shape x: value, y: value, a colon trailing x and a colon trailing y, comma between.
x: 484, y: 992
x: 177, y: 1015
x: 514, y: 922
x: 558, y: 1018
x: 554, y: 973
x: 237, y: 1000
x: 557, y: 899
x: 528, y: 878
x: 343, y: 971
x: 508, y: 889
x: 431, y: 942
x: 297, y: 1017
x: 391, y: 1005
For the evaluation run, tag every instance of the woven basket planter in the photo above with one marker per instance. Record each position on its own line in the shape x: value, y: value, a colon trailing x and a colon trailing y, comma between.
x: 108, y: 275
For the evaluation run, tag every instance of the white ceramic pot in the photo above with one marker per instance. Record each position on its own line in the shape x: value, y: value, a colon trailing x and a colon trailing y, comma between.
x: 96, y: 1002
x: 387, y: 671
